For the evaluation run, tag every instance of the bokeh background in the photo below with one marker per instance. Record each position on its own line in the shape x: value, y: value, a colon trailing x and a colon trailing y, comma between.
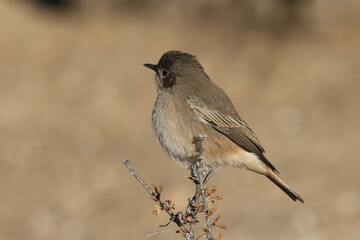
x: 75, y: 100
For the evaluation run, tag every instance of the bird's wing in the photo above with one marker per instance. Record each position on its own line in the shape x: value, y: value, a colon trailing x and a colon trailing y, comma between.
x: 234, y: 128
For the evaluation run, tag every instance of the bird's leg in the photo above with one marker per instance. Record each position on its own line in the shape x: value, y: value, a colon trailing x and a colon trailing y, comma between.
x: 193, y: 169
x: 199, y: 147
x: 195, y: 172
x: 208, y: 175
x: 199, y: 164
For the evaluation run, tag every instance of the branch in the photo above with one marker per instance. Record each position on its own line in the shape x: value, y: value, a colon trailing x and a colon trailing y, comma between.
x: 200, y: 202
x: 156, y: 196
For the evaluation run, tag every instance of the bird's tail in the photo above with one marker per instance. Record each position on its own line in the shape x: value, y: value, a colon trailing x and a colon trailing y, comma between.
x: 275, y: 178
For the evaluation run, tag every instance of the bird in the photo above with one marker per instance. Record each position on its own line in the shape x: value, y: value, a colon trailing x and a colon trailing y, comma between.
x: 188, y: 102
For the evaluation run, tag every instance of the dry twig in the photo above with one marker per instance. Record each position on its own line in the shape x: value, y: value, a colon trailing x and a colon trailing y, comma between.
x: 200, y: 202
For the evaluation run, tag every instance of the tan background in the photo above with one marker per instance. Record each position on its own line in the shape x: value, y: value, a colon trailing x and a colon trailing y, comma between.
x: 75, y: 100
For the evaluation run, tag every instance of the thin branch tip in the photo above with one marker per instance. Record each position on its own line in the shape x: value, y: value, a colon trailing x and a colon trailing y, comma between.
x: 126, y: 162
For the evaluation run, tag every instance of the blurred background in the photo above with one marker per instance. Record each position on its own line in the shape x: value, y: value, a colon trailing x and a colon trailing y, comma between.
x: 75, y: 100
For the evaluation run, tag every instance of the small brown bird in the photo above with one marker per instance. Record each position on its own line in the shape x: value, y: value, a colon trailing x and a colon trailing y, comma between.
x: 189, y: 103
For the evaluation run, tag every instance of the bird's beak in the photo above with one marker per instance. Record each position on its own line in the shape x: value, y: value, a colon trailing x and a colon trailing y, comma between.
x: 151, y: 66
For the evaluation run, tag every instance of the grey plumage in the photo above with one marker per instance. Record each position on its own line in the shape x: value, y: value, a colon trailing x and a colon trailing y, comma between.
x: 188, y: 103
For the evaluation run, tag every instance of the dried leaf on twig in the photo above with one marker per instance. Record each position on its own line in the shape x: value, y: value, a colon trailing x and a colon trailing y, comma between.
x: 170, y: 204
x: 212, y: 210
x: 200, y: 236
x: 219, y: 236
x: 159, y: 209
x: 217, y: 197
x: 215, y: 223
x: 210, y: 191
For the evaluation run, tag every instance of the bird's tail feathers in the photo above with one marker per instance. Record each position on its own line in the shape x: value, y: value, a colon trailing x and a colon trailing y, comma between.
x: 275, y: 178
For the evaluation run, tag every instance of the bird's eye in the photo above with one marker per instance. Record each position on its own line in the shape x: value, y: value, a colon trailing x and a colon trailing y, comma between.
x: 164, y: 73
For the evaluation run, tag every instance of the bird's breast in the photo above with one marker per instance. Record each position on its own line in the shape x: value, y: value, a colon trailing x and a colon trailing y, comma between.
x: 175, y: 127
